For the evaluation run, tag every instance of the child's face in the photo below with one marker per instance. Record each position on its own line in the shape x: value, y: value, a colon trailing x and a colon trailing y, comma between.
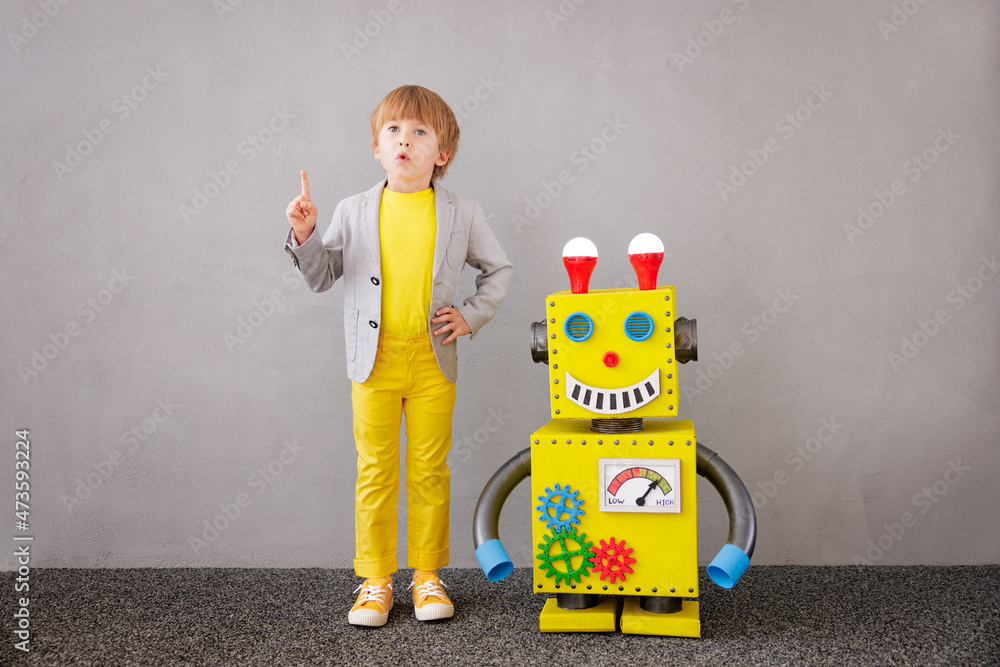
x: 408, y: 150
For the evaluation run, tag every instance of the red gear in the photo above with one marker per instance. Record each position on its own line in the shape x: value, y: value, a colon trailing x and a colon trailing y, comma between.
x: 612, y: 560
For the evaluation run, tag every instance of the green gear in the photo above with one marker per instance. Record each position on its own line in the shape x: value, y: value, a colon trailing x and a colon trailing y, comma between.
x: 565, y: 555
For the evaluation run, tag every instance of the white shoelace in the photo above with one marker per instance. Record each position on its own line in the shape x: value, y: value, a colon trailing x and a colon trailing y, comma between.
x: 372, y: 593
x: 430, y: 588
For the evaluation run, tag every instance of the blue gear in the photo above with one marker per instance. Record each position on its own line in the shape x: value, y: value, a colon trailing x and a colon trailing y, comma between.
x: 560, y: 509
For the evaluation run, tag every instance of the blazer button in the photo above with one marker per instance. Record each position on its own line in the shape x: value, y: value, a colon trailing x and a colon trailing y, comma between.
x: 373, y: 324
x: 374, y: 280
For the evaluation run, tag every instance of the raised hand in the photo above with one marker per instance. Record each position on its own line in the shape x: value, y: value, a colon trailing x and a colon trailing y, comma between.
x: 301, y: 213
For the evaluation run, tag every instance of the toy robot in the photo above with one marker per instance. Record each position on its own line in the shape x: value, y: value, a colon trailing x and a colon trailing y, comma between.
x: 613, y: 487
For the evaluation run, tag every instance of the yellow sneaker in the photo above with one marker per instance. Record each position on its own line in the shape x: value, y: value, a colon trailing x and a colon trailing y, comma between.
x: 374, y: 603
x: 430, y: 602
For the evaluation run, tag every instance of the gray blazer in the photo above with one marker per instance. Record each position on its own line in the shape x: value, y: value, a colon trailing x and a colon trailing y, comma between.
x: 350, y: 248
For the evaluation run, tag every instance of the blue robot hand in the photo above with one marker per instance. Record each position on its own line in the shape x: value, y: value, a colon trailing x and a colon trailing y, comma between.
x: 728, y: 566
x: 494, y: 560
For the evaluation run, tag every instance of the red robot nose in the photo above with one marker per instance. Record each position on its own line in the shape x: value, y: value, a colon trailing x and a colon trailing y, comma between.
x: 610, y: 359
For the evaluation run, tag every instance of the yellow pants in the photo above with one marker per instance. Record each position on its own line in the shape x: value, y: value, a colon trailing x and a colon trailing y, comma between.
x: 406, y: 379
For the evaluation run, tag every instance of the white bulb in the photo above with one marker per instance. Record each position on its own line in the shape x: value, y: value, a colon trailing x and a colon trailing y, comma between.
x: 644, y: 244
x: 579, y: 247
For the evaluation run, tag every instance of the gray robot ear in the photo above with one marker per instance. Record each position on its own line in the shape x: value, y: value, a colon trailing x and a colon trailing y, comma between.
x: 579, y: 258
x: 645, y: 251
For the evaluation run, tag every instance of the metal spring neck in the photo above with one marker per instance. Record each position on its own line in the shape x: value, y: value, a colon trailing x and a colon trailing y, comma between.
x: 616, y: 425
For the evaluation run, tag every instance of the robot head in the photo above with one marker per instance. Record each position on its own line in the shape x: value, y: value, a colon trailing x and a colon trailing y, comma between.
x: 612, y: 352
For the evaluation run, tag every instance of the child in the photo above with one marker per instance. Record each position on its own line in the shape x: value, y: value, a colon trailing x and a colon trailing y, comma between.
x: 401, y: 247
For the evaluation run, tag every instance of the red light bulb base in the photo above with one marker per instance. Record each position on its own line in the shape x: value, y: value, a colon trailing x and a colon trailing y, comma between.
x: 647, y: 266
x: 579, y: 257
x: 579, y: 270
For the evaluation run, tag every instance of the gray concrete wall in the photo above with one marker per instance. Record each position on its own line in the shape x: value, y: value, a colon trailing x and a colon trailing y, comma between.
x: 824, y: 176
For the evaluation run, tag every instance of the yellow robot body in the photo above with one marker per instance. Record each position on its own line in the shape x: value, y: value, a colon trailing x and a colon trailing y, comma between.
x: 631, y: 489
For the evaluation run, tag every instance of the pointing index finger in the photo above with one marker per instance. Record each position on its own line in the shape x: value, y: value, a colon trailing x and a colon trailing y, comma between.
x: 305, y: 185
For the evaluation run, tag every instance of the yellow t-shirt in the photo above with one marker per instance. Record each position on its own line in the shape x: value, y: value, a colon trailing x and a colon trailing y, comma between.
x: 407, y: 226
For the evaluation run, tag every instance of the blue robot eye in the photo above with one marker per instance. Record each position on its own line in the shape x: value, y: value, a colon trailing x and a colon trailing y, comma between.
x: 638, y: 325
x: 578, y: 327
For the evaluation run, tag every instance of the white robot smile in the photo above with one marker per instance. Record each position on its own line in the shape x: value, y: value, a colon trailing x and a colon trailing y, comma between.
x: 613, y: 401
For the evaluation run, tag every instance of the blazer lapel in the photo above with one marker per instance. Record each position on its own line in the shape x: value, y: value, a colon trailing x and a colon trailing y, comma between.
x: 373, y: 200
x: 444, y: 208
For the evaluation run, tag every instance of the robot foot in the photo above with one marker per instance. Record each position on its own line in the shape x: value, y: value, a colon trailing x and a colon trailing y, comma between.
x: 600, y: 617
x: 685, y: 622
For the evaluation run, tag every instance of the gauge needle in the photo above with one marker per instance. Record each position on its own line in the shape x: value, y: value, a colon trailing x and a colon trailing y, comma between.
x: 641, y: 500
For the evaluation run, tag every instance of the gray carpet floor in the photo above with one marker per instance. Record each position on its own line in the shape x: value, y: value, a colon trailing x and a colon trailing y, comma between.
x: 790, y: 615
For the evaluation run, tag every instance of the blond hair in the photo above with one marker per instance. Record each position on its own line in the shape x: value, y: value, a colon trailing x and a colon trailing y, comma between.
x: 419, y: 103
